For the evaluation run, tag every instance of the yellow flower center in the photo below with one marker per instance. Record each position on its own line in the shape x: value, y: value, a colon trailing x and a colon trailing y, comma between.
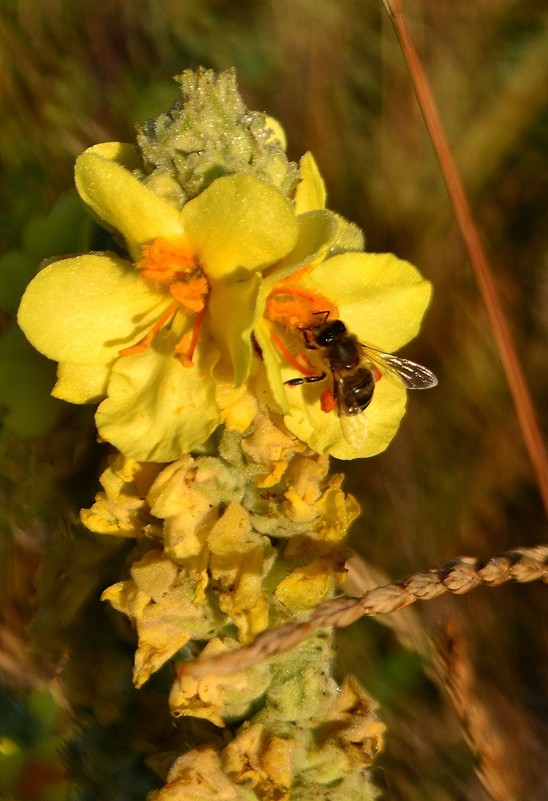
x: 173, y: 265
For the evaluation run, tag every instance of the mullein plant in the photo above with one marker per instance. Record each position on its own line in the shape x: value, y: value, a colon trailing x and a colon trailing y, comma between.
x: 193, y: 335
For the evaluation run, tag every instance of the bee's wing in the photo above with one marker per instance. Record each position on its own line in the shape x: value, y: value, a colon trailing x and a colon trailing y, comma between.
x: 354, y: 429
x: 413, y: 375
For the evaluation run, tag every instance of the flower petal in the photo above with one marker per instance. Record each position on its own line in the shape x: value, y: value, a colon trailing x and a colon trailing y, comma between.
x: 310, y: 192
x: 126, y: 205
x: 123, y: 153
x: 316, y: 233
x: 230, y: 315
x: 381, y: 298
x: 322, y: 431
x: 85, y: 309
x: 274, y: 392
x: 348, y: 236
x: 157, y: 410
x: 239, y: 224
x: 81, y: 383
x: 307, y: 586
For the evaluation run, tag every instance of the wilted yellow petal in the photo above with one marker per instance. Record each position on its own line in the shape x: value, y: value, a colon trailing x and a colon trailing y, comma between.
x: 178, y: 497
x: 121, y: 509
x: 262, y: 760
x: 307, y: 586
x: 353, y: 721
x: 268, y: 445
x: 236, y: 564
x: 198, y: 775
x: 220, y: 699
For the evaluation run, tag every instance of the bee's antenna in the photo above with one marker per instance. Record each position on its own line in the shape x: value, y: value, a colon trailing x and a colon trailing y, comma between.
x: 326, y: 313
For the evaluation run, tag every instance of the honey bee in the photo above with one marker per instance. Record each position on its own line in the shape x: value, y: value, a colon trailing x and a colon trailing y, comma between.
x: 355, y: 369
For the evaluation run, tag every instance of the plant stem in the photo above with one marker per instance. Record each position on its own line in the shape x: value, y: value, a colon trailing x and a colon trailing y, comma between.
x: 484, y: 275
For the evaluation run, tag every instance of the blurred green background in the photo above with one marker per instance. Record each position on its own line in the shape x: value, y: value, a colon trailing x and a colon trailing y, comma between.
x: 457, y: 479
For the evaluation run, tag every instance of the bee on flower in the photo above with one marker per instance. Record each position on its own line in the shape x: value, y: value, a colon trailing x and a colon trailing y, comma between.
x: 327, y: 333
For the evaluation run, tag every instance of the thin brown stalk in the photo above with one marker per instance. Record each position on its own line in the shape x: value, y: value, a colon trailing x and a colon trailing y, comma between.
x: 495, y: 761
x: 484, y: 275
x: 458, y: 576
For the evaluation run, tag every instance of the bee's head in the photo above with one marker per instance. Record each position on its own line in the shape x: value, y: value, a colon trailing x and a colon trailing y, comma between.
x: 328, y: 332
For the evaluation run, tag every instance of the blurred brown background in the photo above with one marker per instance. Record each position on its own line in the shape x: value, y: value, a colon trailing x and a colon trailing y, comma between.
x: 457, y: 479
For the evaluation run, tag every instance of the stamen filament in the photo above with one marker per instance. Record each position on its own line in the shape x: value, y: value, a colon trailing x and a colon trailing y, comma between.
x: 144, y: 344
x: 186, y: 346
x: 195, y: 334
x: 299, y: 362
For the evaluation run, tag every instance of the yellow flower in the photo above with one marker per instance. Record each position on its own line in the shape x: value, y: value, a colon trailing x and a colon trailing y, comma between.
x: 380, y: 299
x: 187, y: 290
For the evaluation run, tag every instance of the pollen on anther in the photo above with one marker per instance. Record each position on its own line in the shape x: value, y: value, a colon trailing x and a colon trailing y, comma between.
x: 293, y: 305
x: 164, y: 261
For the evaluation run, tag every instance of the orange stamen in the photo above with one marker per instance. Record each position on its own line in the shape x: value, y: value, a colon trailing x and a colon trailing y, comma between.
x: 164, y: 261
x: 191, y: 295
x: 295, y: 307
x: 292, y: 304
x: 185, y: 348
x: 172, y: 264
x: 146, y: 342
x: 299, y: 362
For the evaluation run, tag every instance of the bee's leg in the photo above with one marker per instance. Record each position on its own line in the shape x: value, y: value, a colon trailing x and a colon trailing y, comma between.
x: 309, y: 342
x: 308, y: 339
x: 307, y: 379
